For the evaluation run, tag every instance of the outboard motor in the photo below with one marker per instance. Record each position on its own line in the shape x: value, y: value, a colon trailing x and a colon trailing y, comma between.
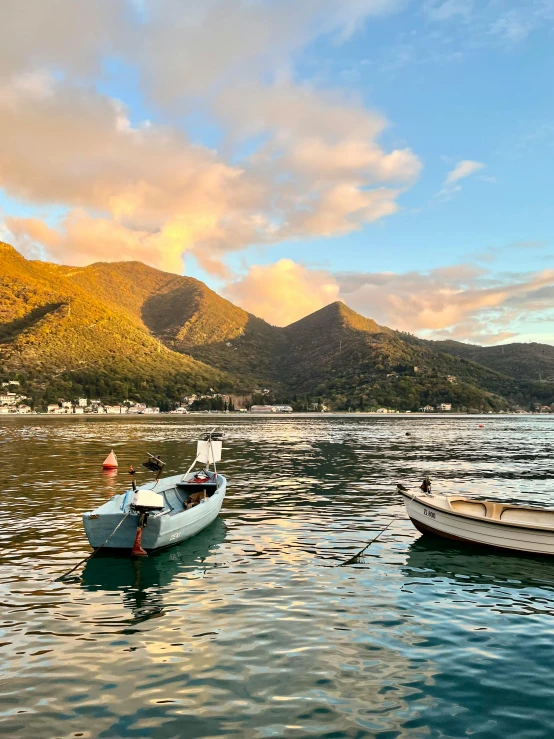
x: 144, y: 503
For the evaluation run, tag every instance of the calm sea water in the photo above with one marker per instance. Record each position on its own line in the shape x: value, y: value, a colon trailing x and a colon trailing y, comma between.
x: 251, y: 629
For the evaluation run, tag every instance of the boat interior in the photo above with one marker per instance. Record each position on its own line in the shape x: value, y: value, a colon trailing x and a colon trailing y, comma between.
x: 187, y: 488
x: 197, y: 482
x: 176, y: 496
x: 492, y: 510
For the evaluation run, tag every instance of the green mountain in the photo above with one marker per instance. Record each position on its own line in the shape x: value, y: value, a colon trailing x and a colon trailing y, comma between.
x: 187, y: 317
x: 531, y: 361
x: 125, y: 330
x: 340, y: 356
x: 62, y: 340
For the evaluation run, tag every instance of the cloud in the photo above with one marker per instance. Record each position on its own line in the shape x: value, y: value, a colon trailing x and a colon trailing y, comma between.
x: 283, y: 292
x: 461, y: 301
x: 492, y: 253
x: 463, y: 169
x: 444, y: 10
x: 145, y: 191
x: 513, y: 27
x: 198, y: 49
x: 61, y: 34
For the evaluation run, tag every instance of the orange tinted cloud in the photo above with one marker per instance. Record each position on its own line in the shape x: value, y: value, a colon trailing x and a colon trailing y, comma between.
x: 462, y: 301
x: 459, y: 302
x: 147, y: 191
x: 283, y: 292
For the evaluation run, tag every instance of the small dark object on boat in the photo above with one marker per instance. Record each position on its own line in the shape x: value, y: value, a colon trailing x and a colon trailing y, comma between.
x: 195, y: 498
x: 154, y: 464
x: 426, y: 485
x: 401, y: 488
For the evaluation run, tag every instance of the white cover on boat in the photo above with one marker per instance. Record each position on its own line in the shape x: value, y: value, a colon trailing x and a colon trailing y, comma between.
x: 148, y: 499
x: 207, y: 456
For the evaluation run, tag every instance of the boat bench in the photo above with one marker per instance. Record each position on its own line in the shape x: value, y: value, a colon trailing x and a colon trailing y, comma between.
x: 503, y: 512
x: 196, y: 487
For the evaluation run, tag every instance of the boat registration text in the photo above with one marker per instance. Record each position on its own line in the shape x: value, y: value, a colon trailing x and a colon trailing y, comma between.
x: 429, y: 514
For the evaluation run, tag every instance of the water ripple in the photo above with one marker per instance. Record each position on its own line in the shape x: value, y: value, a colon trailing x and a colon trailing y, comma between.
x: 250, y: 629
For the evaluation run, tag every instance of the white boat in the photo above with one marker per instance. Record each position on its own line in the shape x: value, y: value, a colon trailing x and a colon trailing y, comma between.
x: 162, y: 512
x: 498, y: 525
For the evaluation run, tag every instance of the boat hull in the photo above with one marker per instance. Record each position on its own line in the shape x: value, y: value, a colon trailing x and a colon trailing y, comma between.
x: 162, y: 529
x: 431, y: 519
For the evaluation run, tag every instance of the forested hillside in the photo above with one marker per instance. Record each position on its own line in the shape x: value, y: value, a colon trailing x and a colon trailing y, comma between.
x: 534, y: 362
x: 62, y: 341
x: 127, y: 331
x: 187, y: 317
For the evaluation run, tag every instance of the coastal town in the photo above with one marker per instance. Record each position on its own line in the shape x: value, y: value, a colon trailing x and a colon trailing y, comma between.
x: 14, y: 401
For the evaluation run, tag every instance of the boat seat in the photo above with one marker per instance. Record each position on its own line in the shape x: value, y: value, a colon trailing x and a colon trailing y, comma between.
x: 196, y: 487
x: 525, y: 515
x: 469, y: 507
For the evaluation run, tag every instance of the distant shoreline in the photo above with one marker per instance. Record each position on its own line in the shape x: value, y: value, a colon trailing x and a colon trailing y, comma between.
x: 265, y: 416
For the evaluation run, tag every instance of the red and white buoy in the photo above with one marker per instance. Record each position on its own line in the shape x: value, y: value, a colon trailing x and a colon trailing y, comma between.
x: 110, y: 463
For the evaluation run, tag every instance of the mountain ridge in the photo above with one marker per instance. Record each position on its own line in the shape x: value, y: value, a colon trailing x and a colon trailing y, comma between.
x: 127, y: 328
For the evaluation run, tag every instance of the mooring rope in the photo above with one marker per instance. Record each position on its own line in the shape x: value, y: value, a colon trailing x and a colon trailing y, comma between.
x: 91, y: 555
x: 353, y: 559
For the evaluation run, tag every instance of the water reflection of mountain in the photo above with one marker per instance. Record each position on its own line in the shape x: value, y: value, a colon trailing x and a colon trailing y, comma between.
x: 144, y: 581
x: 432, y: 558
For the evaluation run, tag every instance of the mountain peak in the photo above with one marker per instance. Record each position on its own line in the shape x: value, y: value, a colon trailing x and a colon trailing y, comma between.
x: 340, y: 315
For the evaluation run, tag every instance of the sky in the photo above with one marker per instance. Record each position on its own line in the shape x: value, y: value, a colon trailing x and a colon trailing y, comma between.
x: 397, y: 155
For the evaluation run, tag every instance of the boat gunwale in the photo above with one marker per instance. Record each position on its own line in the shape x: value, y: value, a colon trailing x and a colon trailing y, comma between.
x: 484, y: 519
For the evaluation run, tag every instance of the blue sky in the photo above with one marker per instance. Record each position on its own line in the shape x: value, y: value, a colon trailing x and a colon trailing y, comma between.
x: 395, y: 155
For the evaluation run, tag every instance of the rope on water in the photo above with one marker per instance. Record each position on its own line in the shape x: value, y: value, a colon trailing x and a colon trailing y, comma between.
x: 91, y: 555
x: 354, y: 559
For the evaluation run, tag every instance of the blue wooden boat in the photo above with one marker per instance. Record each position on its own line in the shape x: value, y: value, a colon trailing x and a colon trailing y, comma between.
x: 164, y: 511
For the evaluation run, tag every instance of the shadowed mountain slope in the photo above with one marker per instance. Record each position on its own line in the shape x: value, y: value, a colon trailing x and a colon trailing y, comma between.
x: 186, y: 316
x: 531, y: 361
x: 336, y: 353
